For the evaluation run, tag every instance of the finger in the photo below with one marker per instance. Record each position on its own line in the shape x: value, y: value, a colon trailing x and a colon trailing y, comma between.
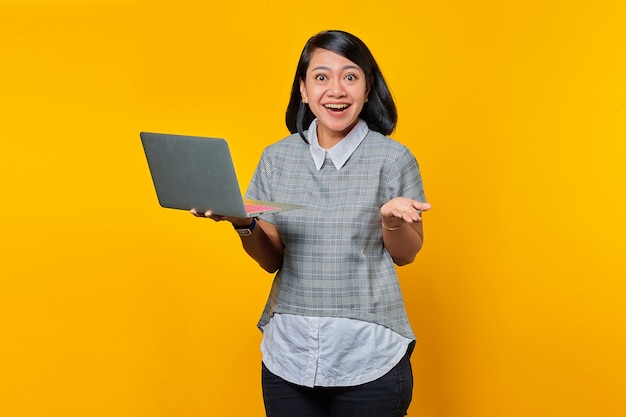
x: 421, y: 206
x: 216, y: 217
x: 195, y: 213
x: 414, y: 217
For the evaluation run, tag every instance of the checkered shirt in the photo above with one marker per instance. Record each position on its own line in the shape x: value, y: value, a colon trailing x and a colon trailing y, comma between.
x: 335, y: 263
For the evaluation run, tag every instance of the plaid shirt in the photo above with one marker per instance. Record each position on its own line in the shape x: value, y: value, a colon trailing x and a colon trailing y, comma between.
x: 335, y: 263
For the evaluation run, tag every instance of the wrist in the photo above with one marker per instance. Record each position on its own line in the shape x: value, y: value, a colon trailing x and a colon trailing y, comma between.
x: 392, y: 224
x: 245, y: 230
x: 245, y: 223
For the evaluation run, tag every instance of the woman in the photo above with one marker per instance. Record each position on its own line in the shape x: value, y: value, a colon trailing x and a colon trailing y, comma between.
x: 336, y: 338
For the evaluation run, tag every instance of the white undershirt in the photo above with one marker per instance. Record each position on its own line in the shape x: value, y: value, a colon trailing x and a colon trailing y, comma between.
x: 329, y: 351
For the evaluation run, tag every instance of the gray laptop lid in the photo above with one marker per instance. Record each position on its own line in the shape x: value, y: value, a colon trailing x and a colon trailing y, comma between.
x: 197, y: 172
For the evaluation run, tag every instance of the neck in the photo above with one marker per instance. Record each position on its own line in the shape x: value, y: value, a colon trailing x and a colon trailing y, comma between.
x: 328, y: 138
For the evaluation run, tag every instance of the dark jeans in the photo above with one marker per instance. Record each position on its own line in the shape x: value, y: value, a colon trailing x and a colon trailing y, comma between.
x: 388, y: 396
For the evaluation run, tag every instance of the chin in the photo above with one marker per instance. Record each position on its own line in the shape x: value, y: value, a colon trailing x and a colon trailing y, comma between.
x: 340, y: 126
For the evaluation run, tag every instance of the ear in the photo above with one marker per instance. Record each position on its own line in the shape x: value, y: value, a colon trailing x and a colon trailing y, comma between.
x: 305, y: 97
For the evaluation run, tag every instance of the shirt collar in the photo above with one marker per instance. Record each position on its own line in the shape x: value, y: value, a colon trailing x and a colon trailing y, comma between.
x: 341, y: 152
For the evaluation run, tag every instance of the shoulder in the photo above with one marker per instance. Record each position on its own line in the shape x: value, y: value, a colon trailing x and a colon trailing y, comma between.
x: 287, y: 150
x: 386, y: 146
x: 287, y: 145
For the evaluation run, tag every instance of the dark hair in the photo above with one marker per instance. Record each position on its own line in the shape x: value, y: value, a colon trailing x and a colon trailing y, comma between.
x: 380, y: 110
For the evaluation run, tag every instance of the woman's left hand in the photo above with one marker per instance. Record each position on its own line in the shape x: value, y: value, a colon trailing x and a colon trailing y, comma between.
x: 402, y: 209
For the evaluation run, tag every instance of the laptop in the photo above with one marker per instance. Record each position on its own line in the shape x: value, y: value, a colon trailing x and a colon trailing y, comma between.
x: 198, y: 172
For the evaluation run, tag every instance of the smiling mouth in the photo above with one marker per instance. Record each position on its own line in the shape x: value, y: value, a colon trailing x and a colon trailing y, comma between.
x: 336, y: 107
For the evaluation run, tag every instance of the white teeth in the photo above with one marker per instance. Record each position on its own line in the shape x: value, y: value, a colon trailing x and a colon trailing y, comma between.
x: 336, y: 106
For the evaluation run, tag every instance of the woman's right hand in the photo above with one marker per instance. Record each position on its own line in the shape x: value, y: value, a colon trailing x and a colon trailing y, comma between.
x: 236, y: 221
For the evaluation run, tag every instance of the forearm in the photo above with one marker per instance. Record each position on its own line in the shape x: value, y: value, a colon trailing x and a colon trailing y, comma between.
x: 264, y: 246
x: 404, y: 242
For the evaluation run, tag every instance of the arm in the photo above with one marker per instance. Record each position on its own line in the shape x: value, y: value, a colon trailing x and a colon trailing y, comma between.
x: 263, y: 245
x: 403, y: 234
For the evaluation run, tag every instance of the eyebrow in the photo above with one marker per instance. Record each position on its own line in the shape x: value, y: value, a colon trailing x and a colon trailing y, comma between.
x: 344, y: 68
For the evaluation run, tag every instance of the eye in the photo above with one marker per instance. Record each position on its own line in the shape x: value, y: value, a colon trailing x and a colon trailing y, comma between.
x: 351, y: 77
x: 320, y: 77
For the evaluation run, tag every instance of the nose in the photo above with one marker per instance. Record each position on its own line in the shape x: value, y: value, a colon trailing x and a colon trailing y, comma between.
x: 336, y: 89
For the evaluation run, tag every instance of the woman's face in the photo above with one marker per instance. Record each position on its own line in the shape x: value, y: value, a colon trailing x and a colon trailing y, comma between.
x: 336, y: 90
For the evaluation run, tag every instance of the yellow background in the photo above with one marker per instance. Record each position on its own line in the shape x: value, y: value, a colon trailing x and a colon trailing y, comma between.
x: 113, y: 306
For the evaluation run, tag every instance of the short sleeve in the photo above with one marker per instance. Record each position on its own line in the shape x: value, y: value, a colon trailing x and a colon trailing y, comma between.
x: 260, y: 187
x: 404, y: 178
